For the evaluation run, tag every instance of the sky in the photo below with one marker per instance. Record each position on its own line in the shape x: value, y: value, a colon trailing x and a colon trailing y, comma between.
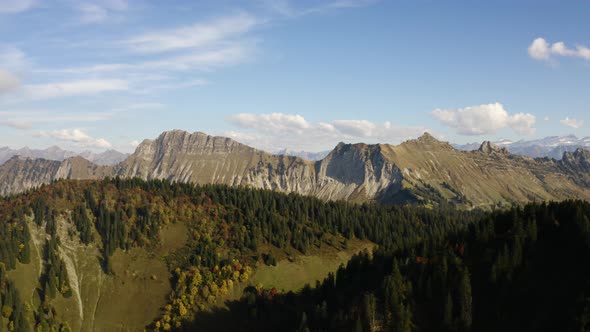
x: 302, y: 75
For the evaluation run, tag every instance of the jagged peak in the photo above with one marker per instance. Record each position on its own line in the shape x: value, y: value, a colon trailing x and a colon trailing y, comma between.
x: 427, y: 140
x: 427, y: 137
x: 489, y: 148
x: 17, y: 157
x: 579, y: 153
x: 340, y: 145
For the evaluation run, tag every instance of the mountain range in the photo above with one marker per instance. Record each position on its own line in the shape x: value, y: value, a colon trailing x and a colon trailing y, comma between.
x: 419, y: 170
x: 108, y: 157
x: 552, y: 146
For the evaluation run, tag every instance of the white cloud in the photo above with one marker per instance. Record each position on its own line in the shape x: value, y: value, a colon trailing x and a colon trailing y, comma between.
x: 572, y: 123
x: 485, y: 119
x: 540, y: 49
x: 8, y: 81
x: 13, y: 58
x: 355, y: 128
x: 199, y: 35
x: 76, y: 136
x: 273, y: 122
x: 74, y: 88
x: 16, y: 6
x: 279, y: 130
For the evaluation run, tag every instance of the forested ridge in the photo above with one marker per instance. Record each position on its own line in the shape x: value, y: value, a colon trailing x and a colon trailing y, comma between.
x: 434, y: 269
x: 526, y: 269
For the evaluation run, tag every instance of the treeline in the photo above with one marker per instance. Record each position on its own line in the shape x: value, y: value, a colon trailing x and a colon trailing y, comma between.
x: 526, y: 269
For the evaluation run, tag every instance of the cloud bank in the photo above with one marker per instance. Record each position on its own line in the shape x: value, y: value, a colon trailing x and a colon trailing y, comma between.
x: 78, y: 137
x: 273, y: 131
x: 485, y: 119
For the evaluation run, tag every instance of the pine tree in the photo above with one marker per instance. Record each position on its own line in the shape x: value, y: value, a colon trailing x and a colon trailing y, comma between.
x: 448, y: 310
x: 465, y: 300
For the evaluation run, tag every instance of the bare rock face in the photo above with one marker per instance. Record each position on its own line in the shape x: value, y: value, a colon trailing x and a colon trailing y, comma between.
x: 424, y: 169
x: 577, y: 164
x: 20, y: 173
x: 488, y: 147
x: 347, y: 172
x: 356, y: 172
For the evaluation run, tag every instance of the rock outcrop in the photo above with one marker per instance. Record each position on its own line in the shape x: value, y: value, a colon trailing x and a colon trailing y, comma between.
x: 490, y: 148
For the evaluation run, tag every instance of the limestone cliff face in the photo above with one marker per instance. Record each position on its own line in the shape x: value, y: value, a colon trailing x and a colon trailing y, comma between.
x: 356, y: 172
x: 20, y: 173
x: 577, y: 164
x: 423, y: 169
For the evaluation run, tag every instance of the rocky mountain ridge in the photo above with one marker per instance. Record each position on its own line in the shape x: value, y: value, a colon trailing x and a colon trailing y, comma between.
x: 551, y: 146
x: 108, y: 157
x: 423, y: 170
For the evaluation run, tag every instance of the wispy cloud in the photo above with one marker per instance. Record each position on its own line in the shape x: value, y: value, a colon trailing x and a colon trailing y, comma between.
x: 160, y: 74
x: 100, y: 11
x: 571, y: 122
x: 542, y: 50
x: 76, y: 136
x: 92, y: 13
x: 13, y: 58
x: 485, y: 119
x: 16, y: 6
x: 26, y: 119
x: 292, y: 9
x: 8, y: 81
x: 73, y: 88
x: 208, y: 34
x: 274, y: 131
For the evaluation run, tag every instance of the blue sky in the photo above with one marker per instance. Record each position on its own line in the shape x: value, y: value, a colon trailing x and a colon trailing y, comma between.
x: 291, y: 74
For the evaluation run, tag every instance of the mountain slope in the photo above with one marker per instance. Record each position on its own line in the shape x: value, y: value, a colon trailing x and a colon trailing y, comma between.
x: 19, y: 174
x: 424, y: 170
x: 487, y: 175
